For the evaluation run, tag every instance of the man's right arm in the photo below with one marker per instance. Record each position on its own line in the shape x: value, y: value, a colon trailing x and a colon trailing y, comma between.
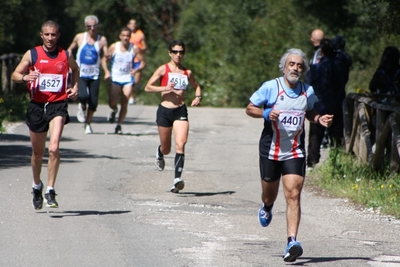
x: 254, y: 111
x: 19, y: 75
x: 104, y: 61
x: 74, y: 44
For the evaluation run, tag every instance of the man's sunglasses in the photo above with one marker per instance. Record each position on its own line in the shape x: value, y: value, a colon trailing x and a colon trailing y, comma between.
x: 91, y: 26
x: 182, y: 52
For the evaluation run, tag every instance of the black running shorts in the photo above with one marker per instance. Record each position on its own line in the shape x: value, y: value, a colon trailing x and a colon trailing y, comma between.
x: 39, y: 115
x: 272, y: 170
x: 167, y: 116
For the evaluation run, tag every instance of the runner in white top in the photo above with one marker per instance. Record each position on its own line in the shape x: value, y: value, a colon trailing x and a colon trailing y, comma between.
x: 122, y: 75
x: 284, y: 103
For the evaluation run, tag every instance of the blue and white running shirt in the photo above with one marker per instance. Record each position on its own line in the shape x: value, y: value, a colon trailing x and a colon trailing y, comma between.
x: 284, y: 139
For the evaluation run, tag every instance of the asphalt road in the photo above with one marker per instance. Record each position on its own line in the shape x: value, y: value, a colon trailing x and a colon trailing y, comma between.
x: 116, y: 208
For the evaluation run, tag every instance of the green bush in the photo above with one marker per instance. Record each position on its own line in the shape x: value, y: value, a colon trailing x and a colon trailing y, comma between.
x: 342, y: 176
x: 12, y: 109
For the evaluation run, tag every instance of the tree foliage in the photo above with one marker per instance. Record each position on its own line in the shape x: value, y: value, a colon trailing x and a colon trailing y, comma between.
x: 233, y: 45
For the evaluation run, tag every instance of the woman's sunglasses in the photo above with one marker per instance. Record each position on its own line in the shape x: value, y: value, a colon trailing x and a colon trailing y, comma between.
x: 182, y: 52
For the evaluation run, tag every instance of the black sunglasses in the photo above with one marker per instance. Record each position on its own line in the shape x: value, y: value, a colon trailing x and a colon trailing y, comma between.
x: 91, y: 26
x: 182, y: 52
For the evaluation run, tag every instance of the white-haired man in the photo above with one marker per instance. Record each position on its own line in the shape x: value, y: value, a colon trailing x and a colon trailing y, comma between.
x: 284, y: 103
x: 90, y: 44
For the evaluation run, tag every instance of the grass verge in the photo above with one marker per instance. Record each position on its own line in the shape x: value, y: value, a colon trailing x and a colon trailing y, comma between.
x: 342, y: 176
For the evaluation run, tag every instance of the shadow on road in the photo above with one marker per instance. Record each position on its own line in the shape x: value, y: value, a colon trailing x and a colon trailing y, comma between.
x: 25, y: 138
x: 15, y: 156
x: 127, y: 134
x: 14, y: 138
x: 205, y: 194
x: 12, y: 156
x: 68, y: 213
x: 308, y: 261
x: 103, y: 120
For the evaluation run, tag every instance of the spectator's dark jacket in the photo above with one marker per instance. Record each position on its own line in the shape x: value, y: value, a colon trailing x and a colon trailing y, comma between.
x: 322, y: 78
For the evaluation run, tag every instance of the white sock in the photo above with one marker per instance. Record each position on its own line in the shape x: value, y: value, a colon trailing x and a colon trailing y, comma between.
x: 37, y: 186
x: 49, y: 188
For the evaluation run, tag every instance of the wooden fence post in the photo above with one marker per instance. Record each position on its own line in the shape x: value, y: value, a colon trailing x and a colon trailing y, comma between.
x: 8, y: 63
x: 371, y: 131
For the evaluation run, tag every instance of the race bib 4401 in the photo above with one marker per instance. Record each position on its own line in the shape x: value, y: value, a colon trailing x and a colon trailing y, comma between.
x: 291, y: 120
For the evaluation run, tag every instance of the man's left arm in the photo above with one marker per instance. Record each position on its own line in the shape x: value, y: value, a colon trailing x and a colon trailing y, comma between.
x: 323, y: 120
x: 104, y: 47
x: 139, y: 56
x: 73, y: 91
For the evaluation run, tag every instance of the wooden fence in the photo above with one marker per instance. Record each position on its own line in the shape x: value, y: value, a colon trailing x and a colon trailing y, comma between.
x: 371, y: 131
x: 8, y: 63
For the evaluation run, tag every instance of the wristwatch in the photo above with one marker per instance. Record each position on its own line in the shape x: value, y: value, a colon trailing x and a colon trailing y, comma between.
x: 22, y: 78
x: 198, y: 96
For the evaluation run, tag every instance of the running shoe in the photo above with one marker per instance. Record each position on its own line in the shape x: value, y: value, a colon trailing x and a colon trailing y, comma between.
x: 293, y: 251
x: 118, y: 129
x: 131, y: 101
x: 37, y: 201
x: 179, y: 184
x: 160, y: 163
x: 81, y: 115
x: 111, y: 116
x: 88, y: 129
x: 51, y: 199
x: 264, y: 217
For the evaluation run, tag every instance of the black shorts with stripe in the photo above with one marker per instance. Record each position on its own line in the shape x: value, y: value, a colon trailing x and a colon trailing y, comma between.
x: 167, y: 116
x: 272, y: 170
x: 39, y: 115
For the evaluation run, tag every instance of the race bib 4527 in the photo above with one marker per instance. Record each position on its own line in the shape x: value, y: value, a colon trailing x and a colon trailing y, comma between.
x: 50, y: 82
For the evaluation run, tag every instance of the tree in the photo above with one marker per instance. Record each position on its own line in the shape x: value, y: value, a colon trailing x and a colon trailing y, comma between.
x: 233, y: 45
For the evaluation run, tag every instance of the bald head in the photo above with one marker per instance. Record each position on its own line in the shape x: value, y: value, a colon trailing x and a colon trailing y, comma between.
x: 316, y: 36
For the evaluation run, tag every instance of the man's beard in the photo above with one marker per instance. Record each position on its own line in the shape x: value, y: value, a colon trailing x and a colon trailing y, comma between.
x: 292, y: 79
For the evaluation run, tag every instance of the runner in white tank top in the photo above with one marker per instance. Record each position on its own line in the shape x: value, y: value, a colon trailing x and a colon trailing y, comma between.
x: 121, y: 65
x: 122, y: 75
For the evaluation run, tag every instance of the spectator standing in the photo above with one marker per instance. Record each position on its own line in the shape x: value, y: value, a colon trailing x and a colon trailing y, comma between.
x: 323, y: 79
x: 316, y: 36
x: 343, y: 63
x: 386, y: 79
